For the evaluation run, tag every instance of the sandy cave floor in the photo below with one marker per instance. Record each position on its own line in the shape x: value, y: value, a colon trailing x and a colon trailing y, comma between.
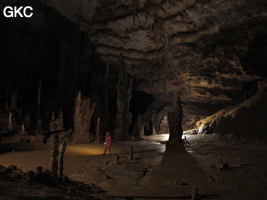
x: 156, y: 171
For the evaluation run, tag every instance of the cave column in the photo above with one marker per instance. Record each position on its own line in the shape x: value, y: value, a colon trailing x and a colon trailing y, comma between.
x: 107, y: 97
x: 129, y: 97
x: 122, y: 105
x: 175, y: 121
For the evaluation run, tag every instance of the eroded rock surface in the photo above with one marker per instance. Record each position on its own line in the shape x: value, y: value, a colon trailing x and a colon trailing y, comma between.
x: 208, y: 50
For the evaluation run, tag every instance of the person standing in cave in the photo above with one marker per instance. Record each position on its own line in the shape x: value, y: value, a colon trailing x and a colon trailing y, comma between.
x: 107, y: 143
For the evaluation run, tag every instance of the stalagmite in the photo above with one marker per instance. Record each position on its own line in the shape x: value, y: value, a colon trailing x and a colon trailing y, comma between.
x: 261, y: 85
x: 117, y: 159
x: 194, y: 194
x: 175, y: 121
x: 130, y: 152
x: 39, y: 100
x: 154, y: 132
x: 39, y: 169
x: 7, y: 98
x: 82, y: 119
x: 10, y: 125
x: 22, y: 129
x: 14, y: 96
x: 60, y: 119
x: 97, y: 136
x: 142, y: 132
x: 56, y: 124
x: 139, y: 127
x: 54, y: 155
x: 60, y: 160
x: 219, y: 164
x: 78, y: 114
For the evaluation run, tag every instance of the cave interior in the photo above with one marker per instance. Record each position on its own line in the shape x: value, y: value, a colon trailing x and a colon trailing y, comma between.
x: 82, y: 68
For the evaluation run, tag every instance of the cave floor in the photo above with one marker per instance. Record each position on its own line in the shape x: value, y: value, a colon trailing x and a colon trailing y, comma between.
x: 158, y: 172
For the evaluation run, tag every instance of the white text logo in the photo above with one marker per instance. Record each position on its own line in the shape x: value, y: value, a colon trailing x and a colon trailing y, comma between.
x: 18, y: 11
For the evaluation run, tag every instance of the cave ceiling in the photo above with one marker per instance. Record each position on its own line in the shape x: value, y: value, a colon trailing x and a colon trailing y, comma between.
x: 207, y: 50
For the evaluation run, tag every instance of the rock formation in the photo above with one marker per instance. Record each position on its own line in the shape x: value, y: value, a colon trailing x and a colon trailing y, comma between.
x: 213, y: 52
x: 82, y: 119
x: 175, y: 121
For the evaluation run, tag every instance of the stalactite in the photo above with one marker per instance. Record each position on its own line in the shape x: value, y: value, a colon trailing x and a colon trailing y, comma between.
x: 173, y: 3
x: 113, y: 9
x: 134, y: 10
x: 61, y: 160
x: 166, y: 44
x: 147, y: 11
x: 54, y: 155
x: 103, y: 10
x: 158, y: 30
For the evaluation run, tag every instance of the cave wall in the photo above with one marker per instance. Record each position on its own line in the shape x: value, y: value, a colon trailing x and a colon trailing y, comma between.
x: 52, y: 50
x: 211, y: 52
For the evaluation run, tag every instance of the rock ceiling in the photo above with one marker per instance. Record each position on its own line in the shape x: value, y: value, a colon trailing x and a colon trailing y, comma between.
x: 208, y: 50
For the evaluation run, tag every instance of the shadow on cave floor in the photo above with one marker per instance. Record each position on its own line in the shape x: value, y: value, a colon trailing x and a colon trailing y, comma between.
x: 245, y: 173
x: 177, y: 175
x: 163, y: 173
